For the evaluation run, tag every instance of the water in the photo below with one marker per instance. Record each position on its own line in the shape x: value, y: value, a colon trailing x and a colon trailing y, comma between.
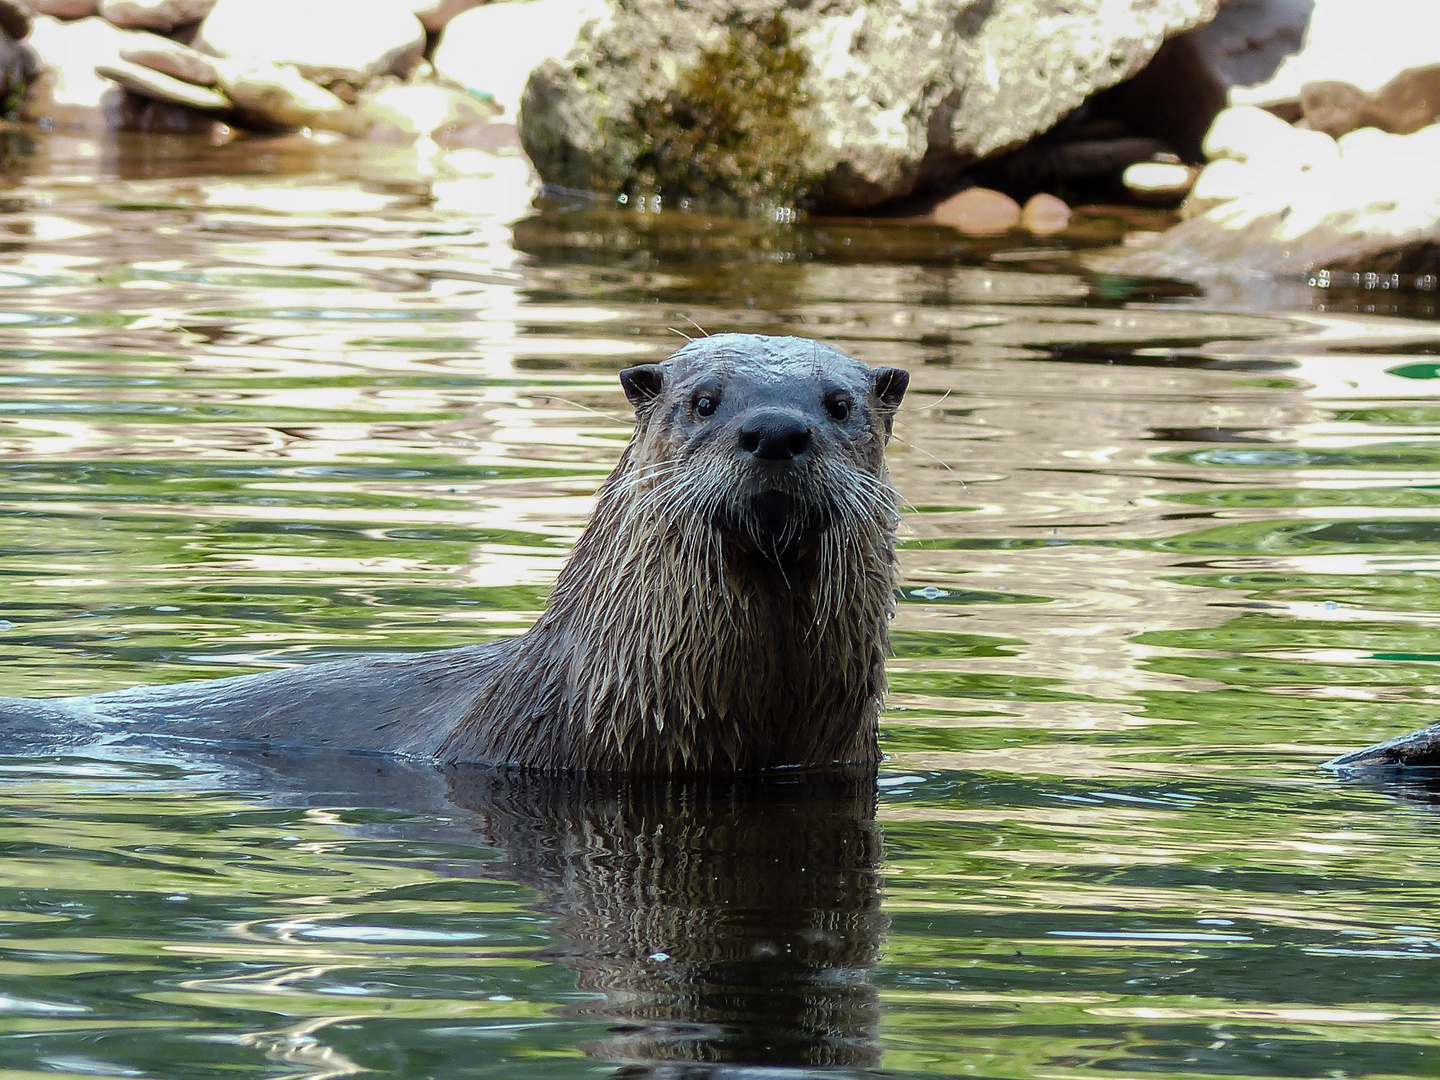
x: 1165, y: 552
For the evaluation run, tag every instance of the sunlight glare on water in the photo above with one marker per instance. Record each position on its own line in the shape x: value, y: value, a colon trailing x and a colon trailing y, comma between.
x: 1162, y: 555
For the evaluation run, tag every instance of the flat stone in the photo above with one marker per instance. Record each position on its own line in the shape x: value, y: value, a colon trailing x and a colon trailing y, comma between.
x: 327, y: 41
x: 278, y: 96
x: 65, y: 9
x: 1045, y: 215
x: 147, y: 82
x: 1158, y: 183
x: 173, y: 59
x: 978, y: 211
x: 154, y: 14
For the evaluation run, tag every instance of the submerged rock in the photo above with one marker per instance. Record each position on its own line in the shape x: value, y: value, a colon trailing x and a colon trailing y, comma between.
x: 862, y: 101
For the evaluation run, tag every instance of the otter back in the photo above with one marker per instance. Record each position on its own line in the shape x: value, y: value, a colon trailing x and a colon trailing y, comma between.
x: 726, y: 609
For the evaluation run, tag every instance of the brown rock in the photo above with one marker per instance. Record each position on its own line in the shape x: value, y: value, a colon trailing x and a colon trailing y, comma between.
x: 1409, y: 101
x: 978, y: 211
x: 155, y: 14
x: 1045, y: 215
x: 172, y: 58
x: 65, y: 9
x: 1333, y: 107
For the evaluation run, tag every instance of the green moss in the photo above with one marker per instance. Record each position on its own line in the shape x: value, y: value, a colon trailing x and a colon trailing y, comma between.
x: 729, y: 131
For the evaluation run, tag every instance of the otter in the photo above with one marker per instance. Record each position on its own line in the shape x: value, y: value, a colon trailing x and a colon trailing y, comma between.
x: 725, y: 611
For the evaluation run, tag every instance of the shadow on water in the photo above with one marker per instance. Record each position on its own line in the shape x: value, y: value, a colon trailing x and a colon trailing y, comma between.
x: 716, y: 928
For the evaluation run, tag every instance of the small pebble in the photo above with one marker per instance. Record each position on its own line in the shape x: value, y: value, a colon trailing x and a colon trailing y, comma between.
x: 1045, y: 215
x: 979, y: 211
x: 1158, y: 182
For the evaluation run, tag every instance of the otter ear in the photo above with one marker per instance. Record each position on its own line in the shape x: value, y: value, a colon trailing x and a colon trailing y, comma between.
x: 642, y: 383
x: 890, y: 384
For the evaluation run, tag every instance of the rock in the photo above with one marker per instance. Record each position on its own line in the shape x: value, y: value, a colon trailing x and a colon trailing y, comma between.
x: 172, y: 58
x: 1239, y: 132
x: 1045, y: 215
x: 154, y: 14
x: 1158, y: 183
x: 1377, y: 196
x: 1407, y: 103
x: 1333, y: 107
x: 65, y: 9
x: 493, y: 49
x: 327, y: 41
x: 278, y: 97
x: 150, y: 83
x: 1362, y: 44
x: 435, y: 15
x: 66, y: 91
x: 14, y: 20
x: 1177, y: 95
x: 403, y: 112
x: 888, y: 94
x: 1252, y: 149
x: 978, y: 211
x: 1219, y: 182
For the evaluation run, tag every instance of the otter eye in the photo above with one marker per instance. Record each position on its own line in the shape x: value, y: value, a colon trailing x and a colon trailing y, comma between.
x: 839, y: 408
x: 706, y: 404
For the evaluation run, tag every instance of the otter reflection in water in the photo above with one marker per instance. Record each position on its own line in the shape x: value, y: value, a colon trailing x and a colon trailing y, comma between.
x: 725, y: 611
x: 718, y: 921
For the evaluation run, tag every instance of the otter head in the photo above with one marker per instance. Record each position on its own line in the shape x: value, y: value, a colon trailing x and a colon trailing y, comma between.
x: 771, y: 440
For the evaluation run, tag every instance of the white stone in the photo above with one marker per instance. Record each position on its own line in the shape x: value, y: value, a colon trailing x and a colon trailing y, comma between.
x: 1243, y: 131
x: 1157, y: 181
x: 147, y: 82
x: 325, y: 40
x: 155, y: 14
x: 493, y: 49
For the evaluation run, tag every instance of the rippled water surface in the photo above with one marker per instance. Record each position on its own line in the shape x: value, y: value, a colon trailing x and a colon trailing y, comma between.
x: 1164, y: 553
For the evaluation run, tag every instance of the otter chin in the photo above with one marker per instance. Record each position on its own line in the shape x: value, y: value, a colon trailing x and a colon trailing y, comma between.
x: 726, y: 610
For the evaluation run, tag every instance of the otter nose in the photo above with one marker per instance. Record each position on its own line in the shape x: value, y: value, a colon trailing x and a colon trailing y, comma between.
x: 774, y: 435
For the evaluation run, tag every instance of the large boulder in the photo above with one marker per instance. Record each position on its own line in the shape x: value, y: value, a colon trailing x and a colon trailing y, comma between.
x: 852, y: 102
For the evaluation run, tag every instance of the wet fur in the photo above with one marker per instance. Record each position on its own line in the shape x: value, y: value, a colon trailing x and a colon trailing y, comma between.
x: 692, y: 630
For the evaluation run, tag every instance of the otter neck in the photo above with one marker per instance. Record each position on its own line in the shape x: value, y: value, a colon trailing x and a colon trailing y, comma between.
x: 687, y: 650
